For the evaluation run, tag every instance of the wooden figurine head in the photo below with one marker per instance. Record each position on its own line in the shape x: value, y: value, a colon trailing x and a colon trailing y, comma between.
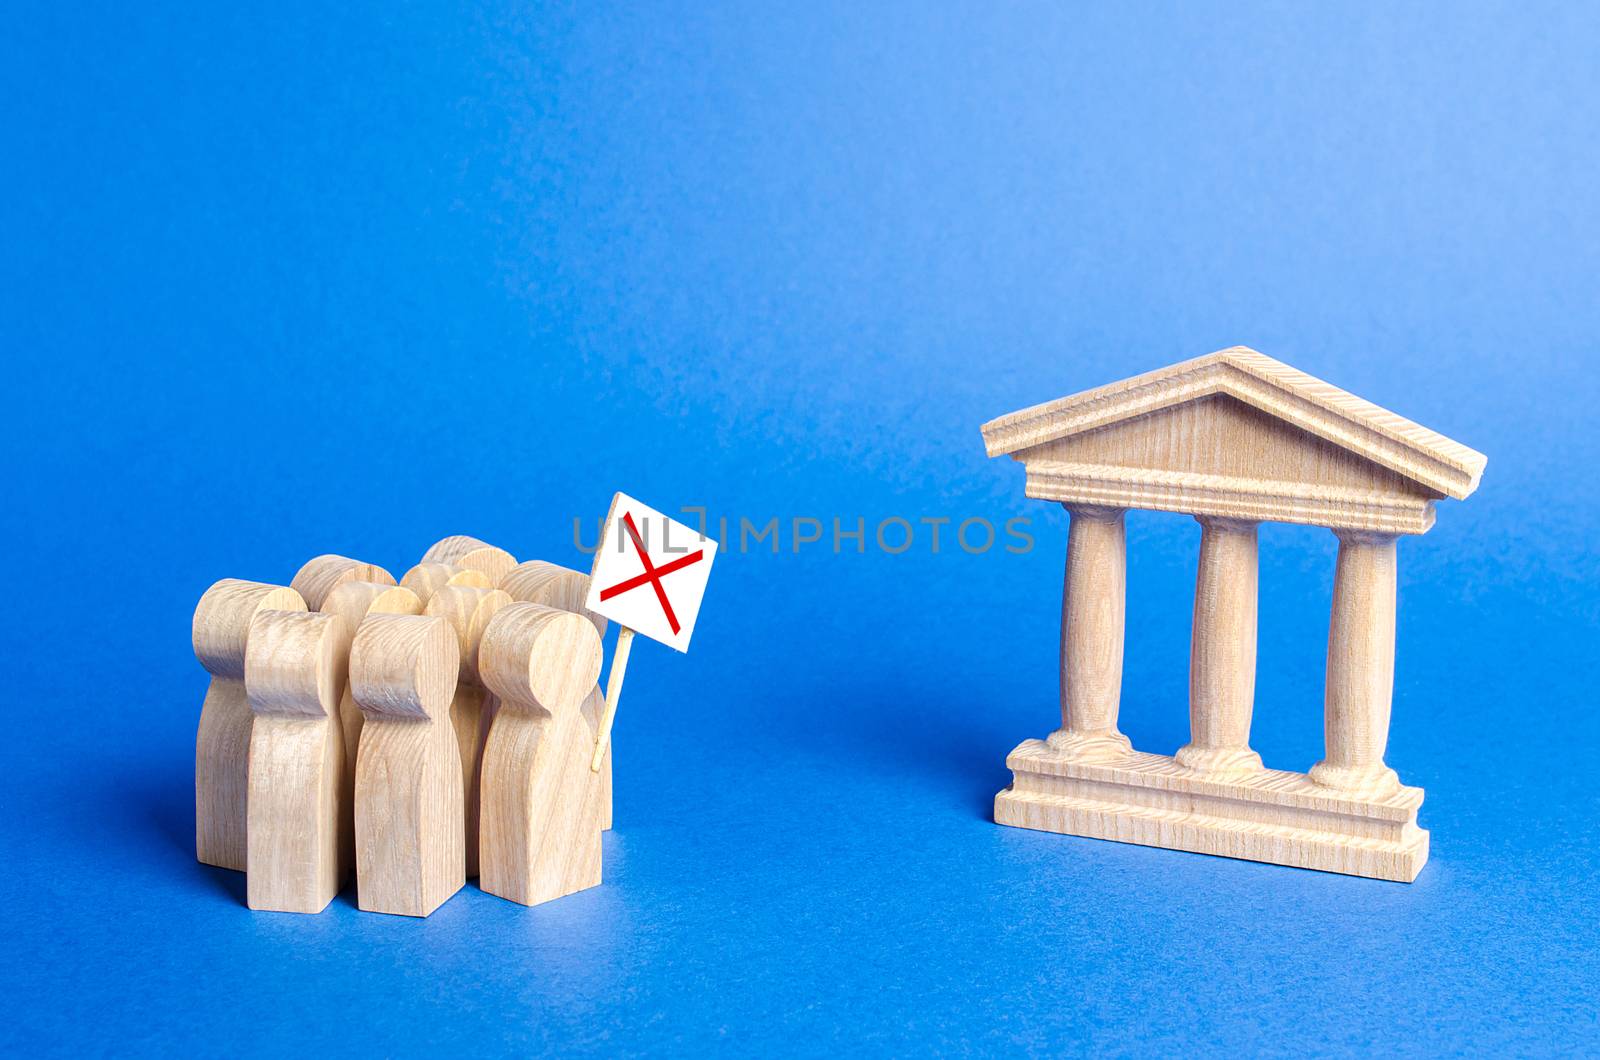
x: 321, y: 575
x: 538, y: 582
x: 352, y: 601
x: 404, y: 666
x: 464, y: 551
x: 425, y: 579
x: 539, y: 658
x: 290, y: 665
x: 468, y: 609
x: 222, y: 621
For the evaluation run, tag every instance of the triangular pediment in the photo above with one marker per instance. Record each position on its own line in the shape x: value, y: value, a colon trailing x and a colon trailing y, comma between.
x: 1219, y: 437
x: 1277, y: 394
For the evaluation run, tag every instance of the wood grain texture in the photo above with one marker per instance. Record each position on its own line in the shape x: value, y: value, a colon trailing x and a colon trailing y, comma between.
x: 322, y: 574
x: 1268, y: 815
x: 221, y: 635
x: 1093, y: 602
x: 538, y: 582
x: 352, y: 602
x: 1360, y: 673
x: 1233, y: 438
x: 427, y: 578
x: 463, y: 551
x: 1226, y: 496
x: 298, y: 849
x: 541, y: 826
x: 1237, y: 435
x: 1284, y: 393
x: 1223, y: 436
x: 1222, y: 652
x: 468, y: 609
x: 410, y: 854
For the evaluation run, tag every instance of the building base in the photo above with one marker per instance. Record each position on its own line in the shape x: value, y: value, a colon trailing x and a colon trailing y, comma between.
x: 1262, y: 815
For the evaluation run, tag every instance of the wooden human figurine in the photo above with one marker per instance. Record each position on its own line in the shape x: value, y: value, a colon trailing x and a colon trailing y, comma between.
x: 322, y: 574
x: 1231, y: 438
x: 469, y: 552
x: 468, y: 609
x: 540, y: 827
x: 410, y: 845
x: 298, y: 857
x: 222, y: 623
x: 538, y: 582
x: 427, y: 578
x: 352, y: 602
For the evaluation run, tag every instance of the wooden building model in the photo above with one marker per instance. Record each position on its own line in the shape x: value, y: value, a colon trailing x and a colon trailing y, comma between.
x: 1232, y: 438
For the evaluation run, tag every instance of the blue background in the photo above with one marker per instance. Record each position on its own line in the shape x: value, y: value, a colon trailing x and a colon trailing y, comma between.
x: 350, y: 278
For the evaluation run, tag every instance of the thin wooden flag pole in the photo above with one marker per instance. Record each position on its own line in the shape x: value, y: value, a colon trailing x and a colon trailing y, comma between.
x: 619, y: 667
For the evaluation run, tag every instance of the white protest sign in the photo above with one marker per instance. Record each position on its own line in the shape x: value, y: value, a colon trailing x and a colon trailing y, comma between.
x: 649, y: 576
x: 650, y: 573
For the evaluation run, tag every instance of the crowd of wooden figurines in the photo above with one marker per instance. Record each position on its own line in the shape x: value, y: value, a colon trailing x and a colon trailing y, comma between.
x: 417, y: 733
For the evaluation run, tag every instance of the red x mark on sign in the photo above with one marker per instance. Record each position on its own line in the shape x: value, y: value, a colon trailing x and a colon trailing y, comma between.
x: 652, y: 573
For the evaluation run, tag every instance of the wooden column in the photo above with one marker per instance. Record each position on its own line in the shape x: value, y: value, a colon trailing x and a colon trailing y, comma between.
x: 1093, y: 605
x: 1360, y: 685
x: 1222, y: 653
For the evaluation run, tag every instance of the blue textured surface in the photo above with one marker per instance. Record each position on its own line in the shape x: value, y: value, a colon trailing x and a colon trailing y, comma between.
x: 290, y: 281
